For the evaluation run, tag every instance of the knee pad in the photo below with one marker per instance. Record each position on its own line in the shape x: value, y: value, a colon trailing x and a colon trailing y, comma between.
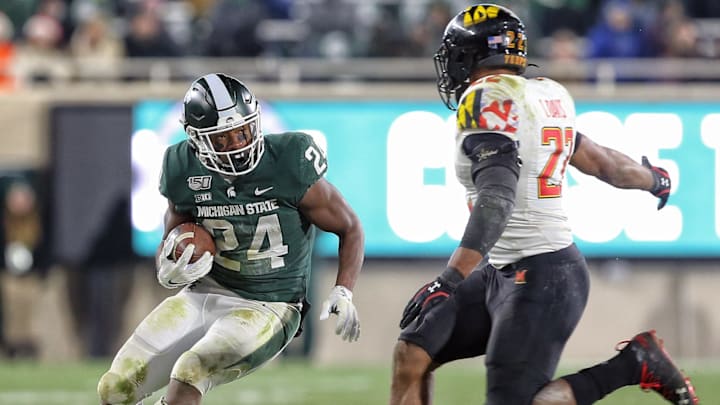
x: 189, y: 369
x: 116, y: 389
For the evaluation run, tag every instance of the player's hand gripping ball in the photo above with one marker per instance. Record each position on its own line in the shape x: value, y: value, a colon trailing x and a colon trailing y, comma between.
x: 192, y: 233
x: 187, y: 255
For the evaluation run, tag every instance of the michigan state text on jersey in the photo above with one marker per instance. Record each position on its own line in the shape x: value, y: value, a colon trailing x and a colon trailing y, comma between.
x: 264, y: 243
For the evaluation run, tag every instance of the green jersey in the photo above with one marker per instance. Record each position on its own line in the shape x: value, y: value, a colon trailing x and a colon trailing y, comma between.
x: 264, y: 244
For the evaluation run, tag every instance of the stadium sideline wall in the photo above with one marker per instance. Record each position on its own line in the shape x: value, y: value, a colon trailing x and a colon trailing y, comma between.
x: 677, y: 299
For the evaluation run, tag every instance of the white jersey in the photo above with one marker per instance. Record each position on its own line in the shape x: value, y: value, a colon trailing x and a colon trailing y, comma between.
x: 540, y: 115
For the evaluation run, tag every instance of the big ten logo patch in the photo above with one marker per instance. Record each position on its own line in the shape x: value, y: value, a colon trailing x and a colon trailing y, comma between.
x: 477, y: 14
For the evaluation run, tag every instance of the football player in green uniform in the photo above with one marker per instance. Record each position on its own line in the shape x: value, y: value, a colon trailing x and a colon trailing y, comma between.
x: 261, y: 198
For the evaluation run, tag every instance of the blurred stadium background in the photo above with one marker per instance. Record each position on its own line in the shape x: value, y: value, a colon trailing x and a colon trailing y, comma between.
x: 88, y: 101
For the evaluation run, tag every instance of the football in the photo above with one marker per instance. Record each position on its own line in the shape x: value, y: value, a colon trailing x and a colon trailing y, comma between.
x: 190, y: 232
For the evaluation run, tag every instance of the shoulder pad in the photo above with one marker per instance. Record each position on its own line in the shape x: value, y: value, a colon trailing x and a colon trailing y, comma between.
x: 299, y: 158
x: 491, y: 104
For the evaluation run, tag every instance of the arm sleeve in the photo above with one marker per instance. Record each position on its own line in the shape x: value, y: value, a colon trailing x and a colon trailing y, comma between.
x: 495, y: 170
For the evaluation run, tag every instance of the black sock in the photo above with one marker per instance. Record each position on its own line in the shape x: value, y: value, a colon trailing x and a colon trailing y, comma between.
x: 592, y: 384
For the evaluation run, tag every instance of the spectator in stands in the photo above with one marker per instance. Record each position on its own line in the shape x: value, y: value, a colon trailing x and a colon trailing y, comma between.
x: 147, y: 36
x: 7, y: 53
x: 673, y: 33
x: 553, y: 15
x: 234, y: 23
x: 280, y: 9
x: 58, y: 11
x: 423, y: 35
x: 21, y: 235
x: 199, y: 25
x: 39, y: 49
x: 564, y: 46
x: 387, y: 38
x: 681, y: 40
x: 617, y: 34
x: 703, y: 8
x: 43, y: 32
x: 96, y: 47
x: 331, y: 25
x: 18, y: 12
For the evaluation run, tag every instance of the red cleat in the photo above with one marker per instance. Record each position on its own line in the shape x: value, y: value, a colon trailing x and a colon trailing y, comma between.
x: 658, y: 371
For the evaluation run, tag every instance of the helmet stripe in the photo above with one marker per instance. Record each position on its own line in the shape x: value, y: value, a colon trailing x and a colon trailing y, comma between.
x: 219, y: 92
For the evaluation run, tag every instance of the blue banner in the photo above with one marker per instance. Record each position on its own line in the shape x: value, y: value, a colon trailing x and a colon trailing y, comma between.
x: 393, y: 162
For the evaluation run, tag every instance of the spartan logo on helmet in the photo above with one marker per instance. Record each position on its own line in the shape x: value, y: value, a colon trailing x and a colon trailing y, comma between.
x: 483, y: 35
x: 215, y: 104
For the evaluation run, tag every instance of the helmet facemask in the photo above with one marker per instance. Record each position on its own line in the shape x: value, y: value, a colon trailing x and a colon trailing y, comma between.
x: 222, y: 120
x: 453, y: 74
x: 232, y: 162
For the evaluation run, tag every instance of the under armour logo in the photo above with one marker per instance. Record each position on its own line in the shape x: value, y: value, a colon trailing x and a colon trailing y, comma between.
x: 665, y: 182
x: 231, y: 192
x: 434, y: 286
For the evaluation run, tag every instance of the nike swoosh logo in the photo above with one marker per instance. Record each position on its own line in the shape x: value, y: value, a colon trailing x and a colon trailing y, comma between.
x: 259, y: 191
x: 174, y: 284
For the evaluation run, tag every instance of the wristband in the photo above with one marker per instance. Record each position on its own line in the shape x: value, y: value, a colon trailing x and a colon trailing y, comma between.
x: 452, y: 276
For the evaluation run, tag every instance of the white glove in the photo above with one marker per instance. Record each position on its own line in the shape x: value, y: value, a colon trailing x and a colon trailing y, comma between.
x: 340, y: 302
x: 174, y: 274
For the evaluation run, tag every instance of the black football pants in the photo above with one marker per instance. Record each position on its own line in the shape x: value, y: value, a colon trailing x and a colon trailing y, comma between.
x: 519, y: 316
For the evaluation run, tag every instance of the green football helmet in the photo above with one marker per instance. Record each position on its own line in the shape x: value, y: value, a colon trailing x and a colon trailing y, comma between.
x: 217, y: 103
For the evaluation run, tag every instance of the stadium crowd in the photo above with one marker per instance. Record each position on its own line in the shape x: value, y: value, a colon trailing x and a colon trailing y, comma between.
x: 109, y: 30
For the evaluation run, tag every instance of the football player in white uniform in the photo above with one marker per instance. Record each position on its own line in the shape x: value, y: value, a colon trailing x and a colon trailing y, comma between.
x: 515, y: 137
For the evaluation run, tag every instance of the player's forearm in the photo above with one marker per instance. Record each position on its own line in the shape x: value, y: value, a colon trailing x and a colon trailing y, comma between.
x: 464, y: 260
x: 351, y: 254
x: 626, y: 173
x: 487, y: 222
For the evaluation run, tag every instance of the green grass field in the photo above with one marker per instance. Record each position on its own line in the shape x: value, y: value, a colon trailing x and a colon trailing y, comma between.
x: 294, y: 383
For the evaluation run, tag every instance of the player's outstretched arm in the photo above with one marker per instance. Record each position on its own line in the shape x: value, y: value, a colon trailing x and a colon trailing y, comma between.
x: 325, y: 207
x: 619, y: 170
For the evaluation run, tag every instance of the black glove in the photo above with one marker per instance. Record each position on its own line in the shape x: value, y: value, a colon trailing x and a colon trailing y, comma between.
x: 431, y: 294
x: 661, y: 186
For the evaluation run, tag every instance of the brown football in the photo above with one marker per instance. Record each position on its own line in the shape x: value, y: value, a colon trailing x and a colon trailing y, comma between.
x: 190, y: 232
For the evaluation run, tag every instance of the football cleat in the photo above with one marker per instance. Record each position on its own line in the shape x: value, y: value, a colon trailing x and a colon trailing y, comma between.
x: 658, y: 372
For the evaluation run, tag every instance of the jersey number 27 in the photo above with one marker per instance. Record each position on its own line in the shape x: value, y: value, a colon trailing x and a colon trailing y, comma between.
x: 549, y: 181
